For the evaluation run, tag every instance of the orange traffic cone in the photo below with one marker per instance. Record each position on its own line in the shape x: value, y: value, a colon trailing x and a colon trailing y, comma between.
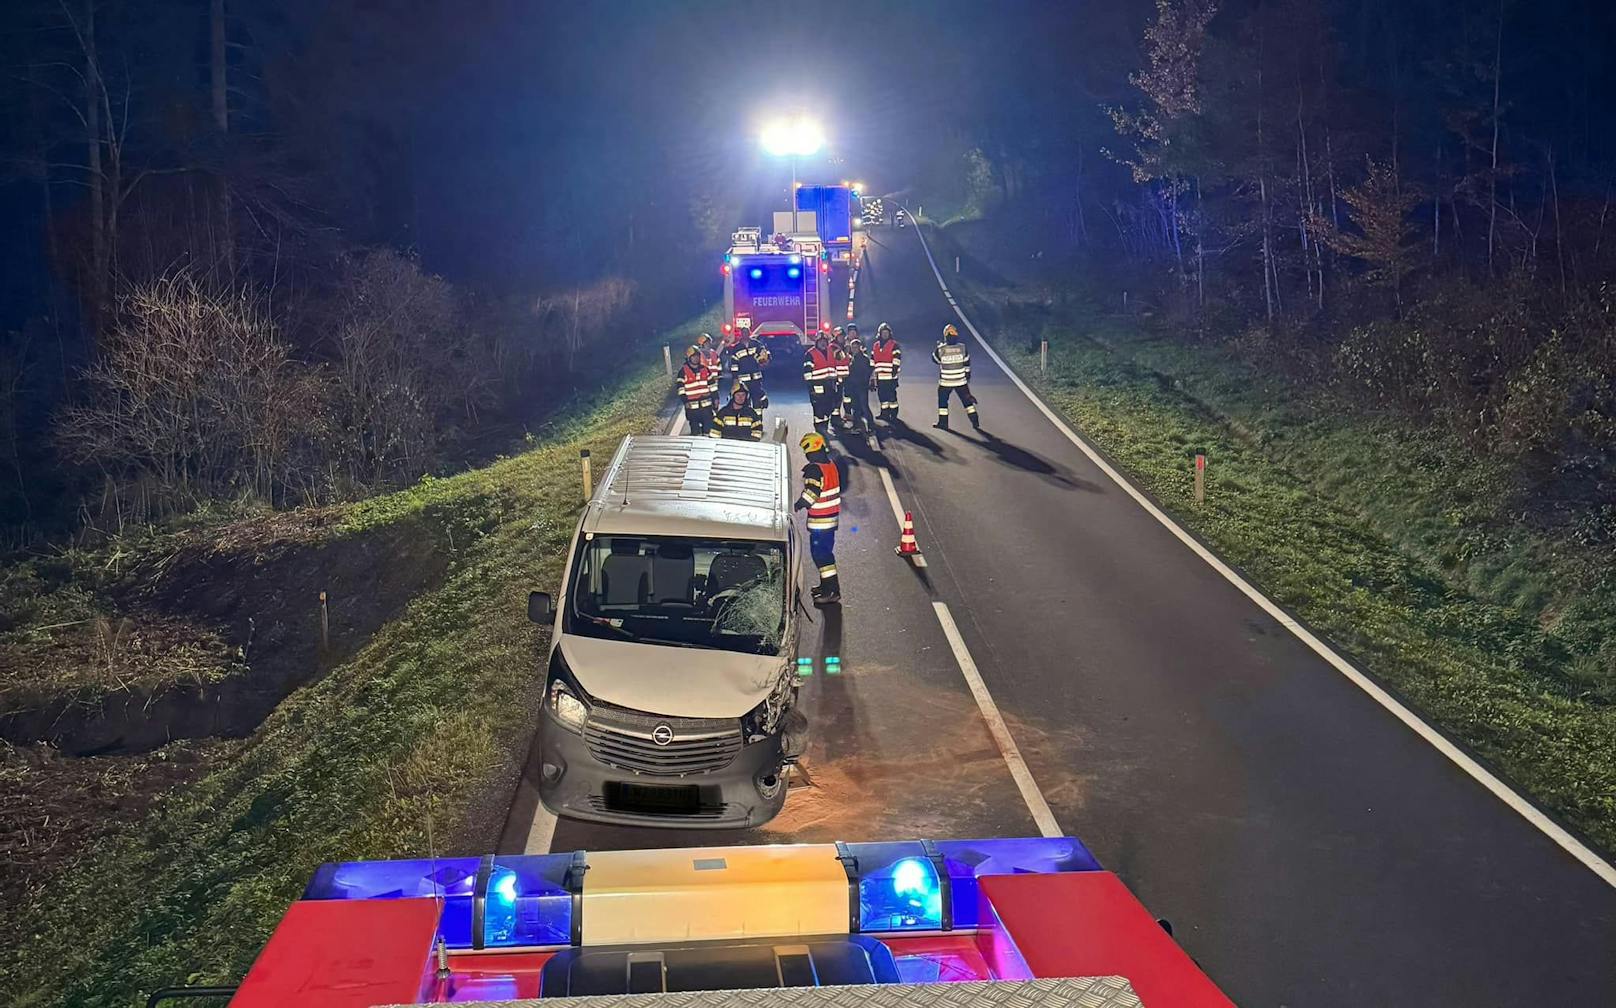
x: 907, y: 546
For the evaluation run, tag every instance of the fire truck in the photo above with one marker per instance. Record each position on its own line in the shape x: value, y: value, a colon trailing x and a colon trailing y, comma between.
x: 776, y: 287
x: 999, y: 922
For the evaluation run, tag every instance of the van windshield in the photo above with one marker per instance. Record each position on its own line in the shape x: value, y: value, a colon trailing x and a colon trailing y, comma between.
x: 707, y: 593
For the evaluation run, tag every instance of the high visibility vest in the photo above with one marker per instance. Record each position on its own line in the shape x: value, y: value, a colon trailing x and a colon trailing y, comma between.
x: 888, y: 358
x: 696, y: 385
x: 710, y: 357
x: 818, y: 369
x: 842, y: 361
x: 953, y: 364
x: 822, y: 492
x: 737, y: 423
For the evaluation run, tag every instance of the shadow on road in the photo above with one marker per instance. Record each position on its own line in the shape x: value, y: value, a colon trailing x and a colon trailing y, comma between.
x: 1016, y: 457
x: 901, y: 431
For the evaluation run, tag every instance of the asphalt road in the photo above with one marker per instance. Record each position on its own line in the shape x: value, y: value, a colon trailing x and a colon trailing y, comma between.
x: 1310, y: 849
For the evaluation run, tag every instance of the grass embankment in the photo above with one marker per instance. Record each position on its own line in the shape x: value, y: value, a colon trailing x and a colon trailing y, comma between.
x: 1390, y: 540
x: 403, y: 748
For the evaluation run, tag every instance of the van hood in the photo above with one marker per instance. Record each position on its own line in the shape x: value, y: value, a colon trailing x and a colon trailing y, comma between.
x: 672, y: 681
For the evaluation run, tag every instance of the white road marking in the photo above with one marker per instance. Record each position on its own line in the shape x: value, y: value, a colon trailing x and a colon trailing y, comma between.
x: 677, y: 419
x: 541, y: 833
x: 1486, y: 778
x: 919, y: 560
x: 1041, y: 815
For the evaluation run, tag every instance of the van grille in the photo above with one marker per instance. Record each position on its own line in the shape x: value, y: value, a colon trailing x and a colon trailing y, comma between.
x: 624, y: 739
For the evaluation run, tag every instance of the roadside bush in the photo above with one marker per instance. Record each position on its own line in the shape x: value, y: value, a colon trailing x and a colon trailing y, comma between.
x: 194, y: 394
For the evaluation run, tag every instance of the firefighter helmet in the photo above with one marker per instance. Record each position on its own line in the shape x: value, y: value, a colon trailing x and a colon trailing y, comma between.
x: 852, y: 327
x: 949, y: 332
x: 704, y: 339
x: 811, y: 442
x: 692, y: 351
x: 837, y: 332
x: 883, y: 328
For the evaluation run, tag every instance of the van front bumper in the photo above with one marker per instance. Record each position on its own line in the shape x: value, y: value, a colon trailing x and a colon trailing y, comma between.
x: 574, y: 784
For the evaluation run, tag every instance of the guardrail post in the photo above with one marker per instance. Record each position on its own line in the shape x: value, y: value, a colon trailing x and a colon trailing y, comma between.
x: 589, y: 480
x: 1200, y: 478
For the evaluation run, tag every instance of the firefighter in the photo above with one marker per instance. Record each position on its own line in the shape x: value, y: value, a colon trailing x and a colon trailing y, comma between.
x: 747, y: 359
x: 697, y: 385
x: 887, y: 356
x: 838, y: 340
x: 819, y: 374
x: 842, y: 373
x: 711, y: 356
x: 822, y: 496
x: 856, y: 390
x: 953, y: 361
x: 738, y: 421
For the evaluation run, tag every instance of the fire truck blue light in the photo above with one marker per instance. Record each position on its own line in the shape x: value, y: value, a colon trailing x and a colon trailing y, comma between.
x: 794, y: 272
x: 756, y: 273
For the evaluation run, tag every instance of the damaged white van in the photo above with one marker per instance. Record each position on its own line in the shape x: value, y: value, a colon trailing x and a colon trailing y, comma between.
x: 672, y: 681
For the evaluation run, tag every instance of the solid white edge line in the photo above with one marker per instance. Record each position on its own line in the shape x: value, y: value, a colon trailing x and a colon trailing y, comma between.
x: 542, y: 833
x: 1486, y: 778
x: 676, y: 421
x: 1041, y: 815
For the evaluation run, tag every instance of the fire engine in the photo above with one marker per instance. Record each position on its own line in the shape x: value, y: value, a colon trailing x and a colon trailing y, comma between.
x: 775, y: 287
x: 1013, y: 921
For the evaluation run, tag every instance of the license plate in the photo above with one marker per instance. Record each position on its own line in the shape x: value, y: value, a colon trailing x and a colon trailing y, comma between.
x: 653, y: 799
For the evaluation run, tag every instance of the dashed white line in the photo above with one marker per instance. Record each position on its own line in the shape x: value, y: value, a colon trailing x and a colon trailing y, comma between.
x: 1041, y: 815
x: 1486, y: 778
x: 897, y: 510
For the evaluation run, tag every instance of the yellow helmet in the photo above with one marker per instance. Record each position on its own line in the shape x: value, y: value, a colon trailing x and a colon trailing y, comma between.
x: 704, y: 339
x: 949, y: 330
x: 812, y: 442
x: 692, y: 351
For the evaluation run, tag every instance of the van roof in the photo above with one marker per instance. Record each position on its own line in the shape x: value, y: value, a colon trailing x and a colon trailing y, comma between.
x: 694, y: 486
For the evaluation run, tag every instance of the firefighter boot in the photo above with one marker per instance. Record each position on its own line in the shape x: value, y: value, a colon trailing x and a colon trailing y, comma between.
x: 828, y: 591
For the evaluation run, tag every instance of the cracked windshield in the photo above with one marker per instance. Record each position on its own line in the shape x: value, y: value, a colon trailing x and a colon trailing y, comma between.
x: 689, y: 592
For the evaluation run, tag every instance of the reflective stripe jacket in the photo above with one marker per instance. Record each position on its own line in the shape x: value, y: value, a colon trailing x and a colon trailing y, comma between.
x: 696, y: 385
x: 822, y: 492
x: 738, y: 423
x: 953, y: 364
x: 746, y: 361
x: 888, y: 358
x: 713, y: 358
x: 818, y: 370
x: 841, y: 360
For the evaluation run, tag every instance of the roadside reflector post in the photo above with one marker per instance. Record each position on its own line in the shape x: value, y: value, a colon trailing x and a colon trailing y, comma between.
x: 956, y: 265
x: 1200, y: 478
x: 1124, y: 302
x: 1043, y: 357
x: 589, y: 480
x: 667, y: 361
x: 325, y: 624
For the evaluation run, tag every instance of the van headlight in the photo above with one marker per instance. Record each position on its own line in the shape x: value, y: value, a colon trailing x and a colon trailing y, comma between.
x: 567, y: 701
x: 566, y: 707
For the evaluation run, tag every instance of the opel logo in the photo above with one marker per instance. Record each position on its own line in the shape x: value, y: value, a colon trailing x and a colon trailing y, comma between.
x: 662, y: 734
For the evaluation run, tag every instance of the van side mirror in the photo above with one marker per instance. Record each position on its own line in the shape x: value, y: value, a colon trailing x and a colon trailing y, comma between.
x: 539, y: 607
x: 781, y: 430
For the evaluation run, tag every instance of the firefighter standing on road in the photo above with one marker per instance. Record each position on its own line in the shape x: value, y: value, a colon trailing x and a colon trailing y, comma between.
x: 740, y: 420
x: 822, y: 496
x: 711, y: 356
x: 856, y: 390
x: 842, y: 373
x: 953, y: 361
x: 887, y: 356
x: 819, y: 374
x: 746, y: 361
x: 838, y: 340
x: 698, y: 383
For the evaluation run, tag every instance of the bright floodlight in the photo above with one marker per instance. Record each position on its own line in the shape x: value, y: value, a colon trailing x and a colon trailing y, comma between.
x: 793, y: 138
